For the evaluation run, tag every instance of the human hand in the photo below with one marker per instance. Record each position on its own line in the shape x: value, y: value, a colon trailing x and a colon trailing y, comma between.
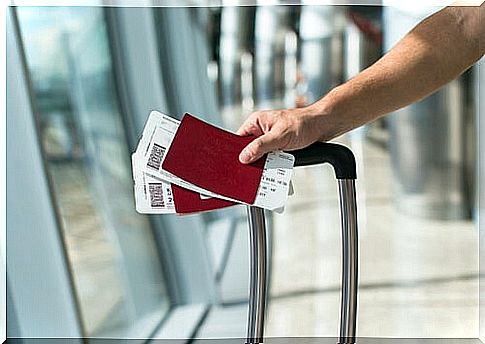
x: 278, y: 130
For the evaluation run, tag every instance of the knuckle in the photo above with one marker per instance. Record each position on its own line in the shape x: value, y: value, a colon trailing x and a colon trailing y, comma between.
x: 276, y: 113
x: 252, y: 149
x: 256, y: 114
x: 258, y: 144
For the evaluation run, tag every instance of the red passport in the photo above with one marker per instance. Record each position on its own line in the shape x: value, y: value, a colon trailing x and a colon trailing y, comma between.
x: 187, y: 201
x: 208, y: 157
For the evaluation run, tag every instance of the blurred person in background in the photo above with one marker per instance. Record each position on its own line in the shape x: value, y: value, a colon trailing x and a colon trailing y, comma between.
x: 436, y: 51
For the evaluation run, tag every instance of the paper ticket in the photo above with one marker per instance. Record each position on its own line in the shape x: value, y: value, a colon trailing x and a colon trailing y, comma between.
x: 155, y: 142
x: 157, y: 136
x: 152, y: 195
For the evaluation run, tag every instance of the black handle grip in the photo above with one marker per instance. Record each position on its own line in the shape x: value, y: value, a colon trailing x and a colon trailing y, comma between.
x: 340, y: 157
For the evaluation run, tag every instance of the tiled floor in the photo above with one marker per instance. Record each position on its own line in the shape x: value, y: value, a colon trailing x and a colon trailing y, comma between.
x: 98, y: 254
x: 92, y: 257
x: 418, y: 277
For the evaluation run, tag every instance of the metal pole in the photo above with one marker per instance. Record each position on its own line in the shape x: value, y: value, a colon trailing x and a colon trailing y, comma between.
x: 348, y: 305
x: 257, y: 280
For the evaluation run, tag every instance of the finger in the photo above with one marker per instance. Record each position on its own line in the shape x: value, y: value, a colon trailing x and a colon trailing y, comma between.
x: 258, y: 147
x: 250, y: 126
x: 247, y: 129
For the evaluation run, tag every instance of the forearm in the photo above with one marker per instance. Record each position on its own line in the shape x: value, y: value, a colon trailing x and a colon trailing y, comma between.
x: 432, y: 54
x: 435, y: 52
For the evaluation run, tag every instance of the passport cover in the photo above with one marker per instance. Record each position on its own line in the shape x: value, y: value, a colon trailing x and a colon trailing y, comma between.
x: 208, y: 157
x: 187, y: 201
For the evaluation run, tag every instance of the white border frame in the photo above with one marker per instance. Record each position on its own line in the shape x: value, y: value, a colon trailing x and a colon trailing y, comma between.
x: 130, y: 3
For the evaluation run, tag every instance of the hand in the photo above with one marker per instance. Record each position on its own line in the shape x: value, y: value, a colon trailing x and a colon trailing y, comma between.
x: 278, y: 130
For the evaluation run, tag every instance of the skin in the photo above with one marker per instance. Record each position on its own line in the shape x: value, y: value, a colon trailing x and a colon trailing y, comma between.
x: 417, y: 66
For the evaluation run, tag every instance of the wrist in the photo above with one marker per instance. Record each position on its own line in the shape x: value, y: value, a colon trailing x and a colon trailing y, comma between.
x: 331, y: 103
x: 325, y: 117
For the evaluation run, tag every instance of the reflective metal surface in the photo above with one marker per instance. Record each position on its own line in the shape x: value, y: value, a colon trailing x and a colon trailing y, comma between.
x: 258, y: 273
x: 272, y: 24
x: 348, y: 302
x: 234, y: 43
x: 431, y: 143
x: 321, y: 32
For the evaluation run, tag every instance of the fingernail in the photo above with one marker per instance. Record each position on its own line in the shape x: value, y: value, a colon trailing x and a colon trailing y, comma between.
x: 244, y: 157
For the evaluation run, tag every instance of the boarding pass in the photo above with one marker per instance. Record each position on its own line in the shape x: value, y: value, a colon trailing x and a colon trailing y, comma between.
x: 152, y: 195
x: 157, y: 136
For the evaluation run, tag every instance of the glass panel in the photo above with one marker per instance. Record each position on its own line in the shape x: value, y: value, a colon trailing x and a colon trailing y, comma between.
x: 111, y: 249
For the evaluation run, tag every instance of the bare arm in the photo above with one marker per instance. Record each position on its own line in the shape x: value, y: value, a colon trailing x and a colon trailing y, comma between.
x: 435, y: 52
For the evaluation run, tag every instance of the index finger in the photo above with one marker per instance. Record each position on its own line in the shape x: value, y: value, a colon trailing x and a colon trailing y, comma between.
x: 250, y: 127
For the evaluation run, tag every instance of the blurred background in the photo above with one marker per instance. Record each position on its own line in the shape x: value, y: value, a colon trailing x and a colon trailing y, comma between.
x: 83, y: 263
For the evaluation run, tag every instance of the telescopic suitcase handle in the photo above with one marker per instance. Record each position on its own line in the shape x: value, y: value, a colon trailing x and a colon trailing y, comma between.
x: 340, y: 157
x: 343, y: 161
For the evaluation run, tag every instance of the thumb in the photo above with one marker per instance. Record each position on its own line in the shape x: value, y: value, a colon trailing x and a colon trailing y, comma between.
x: 258, y: 147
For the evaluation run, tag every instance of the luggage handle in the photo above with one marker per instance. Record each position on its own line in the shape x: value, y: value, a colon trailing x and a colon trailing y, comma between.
x: 340, y: 157
x: 343, y: 161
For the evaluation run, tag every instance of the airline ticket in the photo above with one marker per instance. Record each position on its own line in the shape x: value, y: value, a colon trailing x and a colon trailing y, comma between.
x: 152, y: 195
x: 157, y: 136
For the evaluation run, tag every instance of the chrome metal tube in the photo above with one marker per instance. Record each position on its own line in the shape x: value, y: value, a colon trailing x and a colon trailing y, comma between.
x: 234, y: 41
x: 272, y: 22
x: 348, y: 302
x: 258, y: 278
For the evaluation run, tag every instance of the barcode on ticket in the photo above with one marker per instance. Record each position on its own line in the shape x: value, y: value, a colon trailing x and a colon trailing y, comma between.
x: 156, y: 195
x: 156, y: 156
